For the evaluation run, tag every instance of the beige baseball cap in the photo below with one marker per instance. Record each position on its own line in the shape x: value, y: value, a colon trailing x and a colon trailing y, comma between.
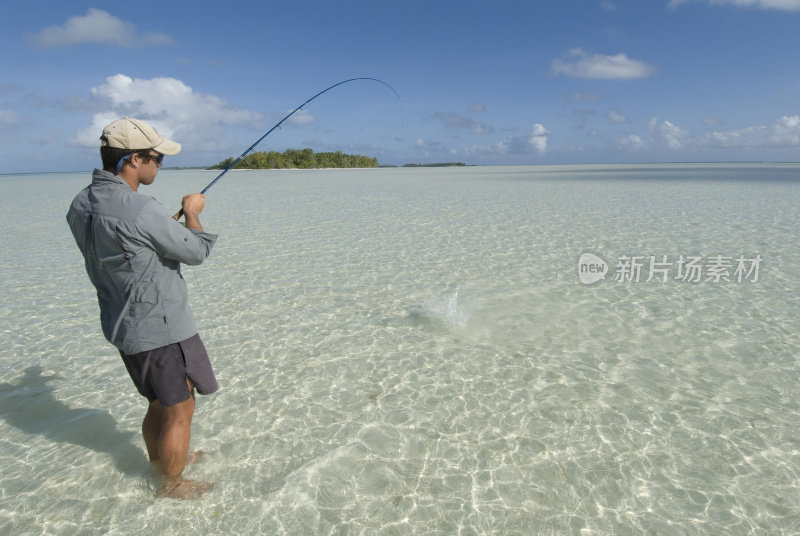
x: 128, y: 133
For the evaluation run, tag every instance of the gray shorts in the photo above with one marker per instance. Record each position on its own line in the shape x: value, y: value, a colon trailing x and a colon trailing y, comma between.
x: 160, y: 374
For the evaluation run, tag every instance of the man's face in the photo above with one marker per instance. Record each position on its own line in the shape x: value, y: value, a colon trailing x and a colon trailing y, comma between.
x: 149, y: 164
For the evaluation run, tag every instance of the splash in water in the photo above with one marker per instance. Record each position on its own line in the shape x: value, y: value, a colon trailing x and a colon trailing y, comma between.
x: 449, y: 308
x: 453, y: 315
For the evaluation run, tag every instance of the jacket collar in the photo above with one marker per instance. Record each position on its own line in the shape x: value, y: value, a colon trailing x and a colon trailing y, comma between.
x: 103, y: 177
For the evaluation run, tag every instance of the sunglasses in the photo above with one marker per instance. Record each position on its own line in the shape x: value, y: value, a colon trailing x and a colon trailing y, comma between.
x: 158, y: 158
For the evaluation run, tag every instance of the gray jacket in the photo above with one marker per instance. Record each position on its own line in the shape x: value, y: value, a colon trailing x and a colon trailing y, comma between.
x: 132, y: 250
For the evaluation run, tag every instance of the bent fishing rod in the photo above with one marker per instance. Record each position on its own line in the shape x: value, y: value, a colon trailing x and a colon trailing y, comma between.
x: 178, y: 215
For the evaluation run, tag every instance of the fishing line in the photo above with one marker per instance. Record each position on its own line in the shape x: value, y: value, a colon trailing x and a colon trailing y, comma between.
x: 178, y: 215
x: 211, y: 319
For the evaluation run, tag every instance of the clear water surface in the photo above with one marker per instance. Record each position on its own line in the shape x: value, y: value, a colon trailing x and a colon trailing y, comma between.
x: 412, y: 351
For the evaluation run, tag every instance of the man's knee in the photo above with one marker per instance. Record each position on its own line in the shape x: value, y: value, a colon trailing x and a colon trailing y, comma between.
x: 180, y: 411
x: 155, y: 411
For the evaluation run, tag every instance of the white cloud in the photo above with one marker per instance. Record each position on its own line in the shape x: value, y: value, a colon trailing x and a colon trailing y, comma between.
x: 97, y: 27
x: 538, y: 138
x: 301, y: 117
x: 632, y: 142
x: 669, y: 133
x: 674, y: 136
x: 784, y: 133
x: 433, y: 149
x: 597, y: 66
x: 786, y: 5
x: 617, y: 117
x: 172, y: 107
x: 666, y: 139
x: 781, y: 5
x: 536, y: 142
x: 477, y: 107
x: 455, y: 121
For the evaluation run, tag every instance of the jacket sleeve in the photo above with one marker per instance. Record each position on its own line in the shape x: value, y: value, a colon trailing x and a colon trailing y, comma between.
x: 171, y: 239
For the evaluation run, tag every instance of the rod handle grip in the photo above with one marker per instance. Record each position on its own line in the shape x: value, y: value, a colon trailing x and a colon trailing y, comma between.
x: 178, y: 215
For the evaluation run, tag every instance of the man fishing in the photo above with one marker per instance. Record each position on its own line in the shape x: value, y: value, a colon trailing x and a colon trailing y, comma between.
x: 133, y: 250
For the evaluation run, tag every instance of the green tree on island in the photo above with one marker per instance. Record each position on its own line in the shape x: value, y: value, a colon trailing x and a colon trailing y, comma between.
x: 299, y: 159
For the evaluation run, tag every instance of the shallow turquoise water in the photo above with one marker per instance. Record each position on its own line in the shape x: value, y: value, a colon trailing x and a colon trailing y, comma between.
x: 411, y: 351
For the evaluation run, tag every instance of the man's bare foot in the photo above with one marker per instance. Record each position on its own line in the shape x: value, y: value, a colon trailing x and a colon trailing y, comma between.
x: 180, y: 488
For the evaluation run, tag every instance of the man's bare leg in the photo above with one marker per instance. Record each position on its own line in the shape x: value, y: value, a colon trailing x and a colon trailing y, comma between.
x: 151, y: 430
x: 167, y: 430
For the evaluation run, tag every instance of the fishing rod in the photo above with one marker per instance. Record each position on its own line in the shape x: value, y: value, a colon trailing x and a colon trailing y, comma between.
x: 178, y: 215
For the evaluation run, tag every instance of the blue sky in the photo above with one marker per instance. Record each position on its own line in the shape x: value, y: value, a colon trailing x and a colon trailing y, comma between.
x: 501, y: 82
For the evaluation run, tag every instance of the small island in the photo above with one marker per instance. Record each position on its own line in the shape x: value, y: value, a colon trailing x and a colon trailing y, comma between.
x: 299, y: 159
x: 437, y: 164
